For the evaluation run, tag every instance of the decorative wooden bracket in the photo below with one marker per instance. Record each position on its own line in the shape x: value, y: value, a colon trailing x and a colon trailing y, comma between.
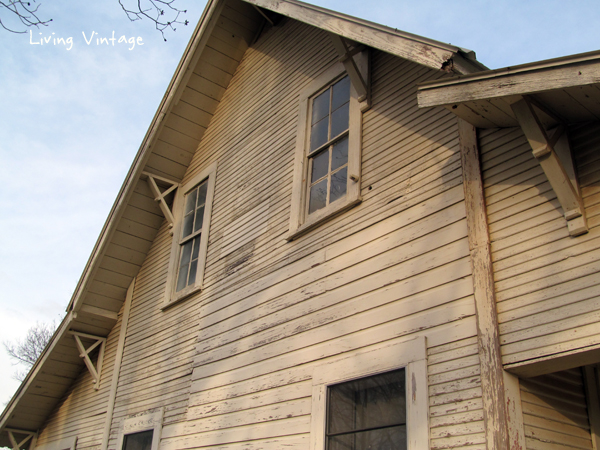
x: 554, y: 155
x: 358, y: 71
x: 85, y: 354
x: 160, y: 196
x: 13, y: 440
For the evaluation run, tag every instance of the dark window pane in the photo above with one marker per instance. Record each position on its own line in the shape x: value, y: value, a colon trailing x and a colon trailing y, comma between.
x: 320, y: 107
x: 199, y: 218
x: 193, y: 270
x: 393, y: 438
x: 182, y: 277
x: 188, y: 223
x: 339, y: 157
x: 202, y: 193
x: 367, y: 403
x: 340, y: 120
x: 196, y: 247
x: 318, y: 196
x: 318, y: 133
x: 186, y: 252
x: 341, y: 93
x: 190, y: 201
x: 138, y: 441
x: 320, y: 166
x: 338, y: 184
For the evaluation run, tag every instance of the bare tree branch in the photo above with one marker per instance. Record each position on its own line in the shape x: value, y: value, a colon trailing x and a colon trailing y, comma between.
x: 155, y: 10
x: 28, y: 350
x: 162, y: 12
x: 24, y: 12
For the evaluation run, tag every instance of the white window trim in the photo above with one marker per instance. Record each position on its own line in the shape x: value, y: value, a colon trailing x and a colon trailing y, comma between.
x: 411, y: 355
x: 136, y: 423
x: 64, y: 444
x: 171, y: 296
x: 300, y: 221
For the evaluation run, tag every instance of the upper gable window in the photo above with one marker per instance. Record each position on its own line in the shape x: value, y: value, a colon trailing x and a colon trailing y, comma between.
x: 328, y: 147
x: 328, y: 150
x: 191, y: 235
x: 192, y: 212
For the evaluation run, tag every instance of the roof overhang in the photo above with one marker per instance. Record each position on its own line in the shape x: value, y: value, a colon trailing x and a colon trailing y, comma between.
x: 424, y: 51
x: 226, y: 29
x: 568, y: 88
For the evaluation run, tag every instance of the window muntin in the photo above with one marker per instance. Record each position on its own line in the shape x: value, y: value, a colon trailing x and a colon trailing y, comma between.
x: 368, y: 413
x: 193, y: 219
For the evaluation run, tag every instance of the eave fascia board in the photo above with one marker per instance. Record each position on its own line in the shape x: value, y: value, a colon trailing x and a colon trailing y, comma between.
x: 62, y: 329
x: 428, y: 52
x: 168, y: 101
x: 558, y: 73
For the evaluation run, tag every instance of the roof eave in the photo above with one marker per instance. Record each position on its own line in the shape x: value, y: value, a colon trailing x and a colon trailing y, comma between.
x: 557, y: 73
x: 428, y: 52
x: 171, y: 96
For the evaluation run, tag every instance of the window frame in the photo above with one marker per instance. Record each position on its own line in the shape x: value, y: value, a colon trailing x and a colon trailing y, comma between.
x: 171, y: 295
x: 300, y: 220
x: 137, y: 423
x: 410, y: 355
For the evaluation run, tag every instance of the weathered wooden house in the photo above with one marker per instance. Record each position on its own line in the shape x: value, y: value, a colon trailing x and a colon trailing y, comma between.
x: 336, y: 235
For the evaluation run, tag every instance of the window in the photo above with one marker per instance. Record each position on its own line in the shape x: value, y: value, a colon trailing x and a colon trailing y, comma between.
x: 368, y: 413
x: 141, y: 431
x: 327, y: 163
x: 372, y: 399
x: 138, y: 441
x: 328, y: 147
x: 192, y: 212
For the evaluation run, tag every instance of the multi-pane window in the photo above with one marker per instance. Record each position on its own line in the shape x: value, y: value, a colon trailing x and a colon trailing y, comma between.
x: 368, y: 413
x: 191, y: 235
x: 138, y: 441
x: 192, y: 212
x: 328, y: 150
x: 328, y: 147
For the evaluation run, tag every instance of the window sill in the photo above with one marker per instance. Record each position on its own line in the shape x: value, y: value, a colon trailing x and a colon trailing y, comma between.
x: 180, y: 298
x: 322, y: 216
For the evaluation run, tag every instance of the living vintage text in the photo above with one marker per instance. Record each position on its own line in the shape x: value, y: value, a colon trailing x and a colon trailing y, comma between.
x: 91, y: 39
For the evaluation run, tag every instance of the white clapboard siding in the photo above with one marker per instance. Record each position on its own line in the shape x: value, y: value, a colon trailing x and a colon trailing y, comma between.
x: 555, y: 411
x: 232, y: 366
x: 547, y: 282
x: 304, y: 250
x: 455, y: 408
x: 391, y: 268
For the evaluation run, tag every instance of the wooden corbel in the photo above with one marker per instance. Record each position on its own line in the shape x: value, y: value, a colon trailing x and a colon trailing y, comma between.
x: 18, y: 445
x: 356, y: 63
x: 160, y: 196
x: 84, y: 353
x: 554, y: 155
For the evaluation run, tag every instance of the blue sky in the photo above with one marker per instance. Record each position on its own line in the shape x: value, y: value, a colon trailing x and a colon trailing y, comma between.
x: 71, y: 120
